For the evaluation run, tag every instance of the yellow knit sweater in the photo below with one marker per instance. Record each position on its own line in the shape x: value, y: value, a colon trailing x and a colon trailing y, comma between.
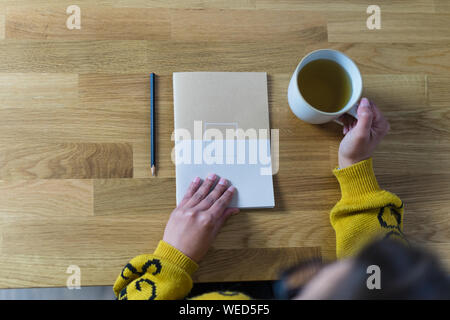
x: 364, y: 212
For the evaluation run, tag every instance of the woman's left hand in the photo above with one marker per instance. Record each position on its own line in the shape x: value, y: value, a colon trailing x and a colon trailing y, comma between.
x: 194, y: 224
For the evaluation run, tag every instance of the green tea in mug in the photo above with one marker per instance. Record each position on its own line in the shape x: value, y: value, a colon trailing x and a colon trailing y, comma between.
x: 325, y: 85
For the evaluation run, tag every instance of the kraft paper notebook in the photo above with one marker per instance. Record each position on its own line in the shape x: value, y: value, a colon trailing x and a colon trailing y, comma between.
x: 222, y: 126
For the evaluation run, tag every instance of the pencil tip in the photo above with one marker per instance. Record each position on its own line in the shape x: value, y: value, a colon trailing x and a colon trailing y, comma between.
x: 153, y: 170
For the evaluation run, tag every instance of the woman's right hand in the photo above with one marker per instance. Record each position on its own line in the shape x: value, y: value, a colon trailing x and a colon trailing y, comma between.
x: 362, y: 135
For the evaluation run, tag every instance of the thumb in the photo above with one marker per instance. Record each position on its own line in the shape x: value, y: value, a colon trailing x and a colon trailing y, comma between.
x: 365, y: 116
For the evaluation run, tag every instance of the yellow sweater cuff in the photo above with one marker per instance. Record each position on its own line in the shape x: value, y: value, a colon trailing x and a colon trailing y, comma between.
x: 357, y: 180
x: 176, y: 257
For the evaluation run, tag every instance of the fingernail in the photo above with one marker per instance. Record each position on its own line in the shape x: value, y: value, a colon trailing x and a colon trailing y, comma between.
x: 235, y: 211
x: 196, y: 180
x: 365, y: 102
x: 212, y: 176
x: 231, y: 189
x: 223, y: 181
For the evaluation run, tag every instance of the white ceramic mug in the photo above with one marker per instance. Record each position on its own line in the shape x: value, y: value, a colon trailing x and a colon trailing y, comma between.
x: 308, y: 113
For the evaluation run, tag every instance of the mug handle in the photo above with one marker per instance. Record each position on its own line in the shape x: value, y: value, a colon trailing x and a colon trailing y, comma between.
x: 353, y: 112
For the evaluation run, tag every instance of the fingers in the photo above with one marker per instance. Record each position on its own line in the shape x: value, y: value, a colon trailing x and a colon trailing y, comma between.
x: 348, y: 122
x: 379, y: 121
x: 229, y: 212
x: 226, y: 214
x: 212, y: 197
x: 343, y: 120
x: 202, y: 191
x: 193, y: 187
x: 365, y: 117
x: 345, y: 130
x: 218, y: 208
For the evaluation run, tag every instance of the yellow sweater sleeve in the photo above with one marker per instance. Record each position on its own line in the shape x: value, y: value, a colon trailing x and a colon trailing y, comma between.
x: 163, y: 275
x: 365, y: 211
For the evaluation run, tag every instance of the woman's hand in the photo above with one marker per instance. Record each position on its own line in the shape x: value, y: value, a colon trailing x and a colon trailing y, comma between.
x: 362, y: 135
x: 194, y: 224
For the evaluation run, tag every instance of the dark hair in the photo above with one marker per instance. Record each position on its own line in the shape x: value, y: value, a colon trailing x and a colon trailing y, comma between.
x: 406, y: 272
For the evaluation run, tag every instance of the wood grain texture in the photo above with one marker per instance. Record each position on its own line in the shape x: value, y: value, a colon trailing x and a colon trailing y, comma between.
x: 66, y: 161
x: 121, y: 91
x: 265, y: 263
x: 438, y: 92
x: 226, y: 25
x: 394, y: 58
x: 35, y: 90
x: 50, y: 270
x: 83, y: 56
x: 133, y: 196
x: 395, y: 27
x: 442, y: 6
x: 2, y: 25
x: 420, y: 6
x: 405, y: 97
x: 98, y: 23
x: 47, y: 198
x: 50, y: 245
x: 140, y: 56
x: 164, y: 57
x: 94, y: 125
x: 75, y: 181
x: 196, y: 4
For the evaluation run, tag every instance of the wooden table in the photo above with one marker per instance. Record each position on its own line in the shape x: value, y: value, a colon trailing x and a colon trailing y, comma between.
x: 76, y: 187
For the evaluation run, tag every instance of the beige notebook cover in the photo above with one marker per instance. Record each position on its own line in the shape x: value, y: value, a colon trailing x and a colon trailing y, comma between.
x: 207, y: 107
